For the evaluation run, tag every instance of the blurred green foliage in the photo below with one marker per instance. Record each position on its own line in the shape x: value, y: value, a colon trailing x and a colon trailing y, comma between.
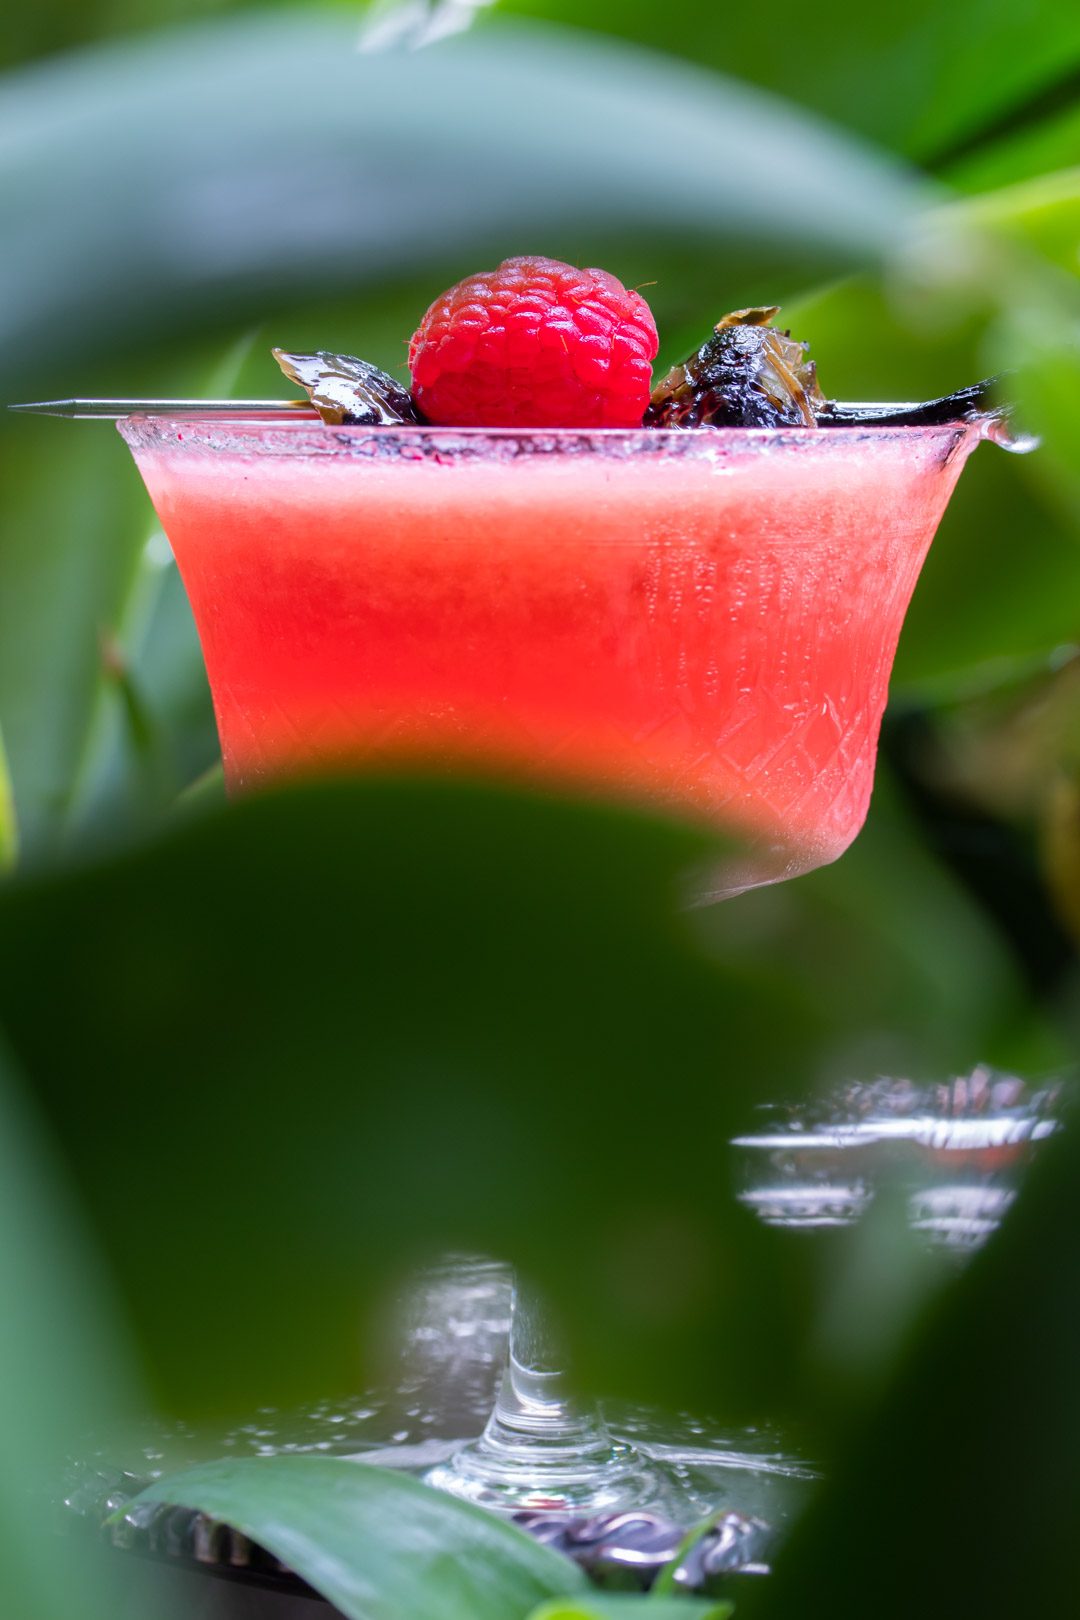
x: 919, y: 85
x: 292, y: 1006
x: 183, y: 186
x: 64, y: 1363
x: 968, y: 1462
x: 9, y: 832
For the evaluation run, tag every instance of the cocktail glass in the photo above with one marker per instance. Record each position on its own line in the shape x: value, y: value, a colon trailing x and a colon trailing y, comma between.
x: 699, y: 620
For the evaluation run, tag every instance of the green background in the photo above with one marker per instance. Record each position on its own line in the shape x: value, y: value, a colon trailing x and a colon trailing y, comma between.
x: 182, y: 186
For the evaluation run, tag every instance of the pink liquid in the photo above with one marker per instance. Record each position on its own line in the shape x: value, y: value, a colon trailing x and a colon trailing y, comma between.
x: 704, y: 621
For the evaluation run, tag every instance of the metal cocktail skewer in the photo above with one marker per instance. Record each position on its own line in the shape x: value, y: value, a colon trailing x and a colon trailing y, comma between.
x: 837, y: 413
x: 114, y: 409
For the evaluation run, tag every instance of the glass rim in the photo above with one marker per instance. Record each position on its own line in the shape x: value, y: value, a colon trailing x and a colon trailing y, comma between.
x: 302, y: 418
x: 260, y: 435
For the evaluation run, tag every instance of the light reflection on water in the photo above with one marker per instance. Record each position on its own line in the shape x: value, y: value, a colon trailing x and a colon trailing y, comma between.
x: 453, y: 1324
x: 957, y: 1149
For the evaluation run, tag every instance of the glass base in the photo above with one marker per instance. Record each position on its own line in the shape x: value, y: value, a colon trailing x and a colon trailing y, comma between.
x: 536, y: 1453
x: 510, y: 1477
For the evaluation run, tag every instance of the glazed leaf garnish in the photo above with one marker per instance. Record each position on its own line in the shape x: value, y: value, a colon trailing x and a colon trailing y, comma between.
x: 962, y: 406
x: 747, y: 374
x: 345, y: 390
x: 750, y: 375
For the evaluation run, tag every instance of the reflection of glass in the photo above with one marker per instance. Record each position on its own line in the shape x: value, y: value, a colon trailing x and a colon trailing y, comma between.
x: 957, y: 1150
x: 448, y: 1336
x: 699, y: 620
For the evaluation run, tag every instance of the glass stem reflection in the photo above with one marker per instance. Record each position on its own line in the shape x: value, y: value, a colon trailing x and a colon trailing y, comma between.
x: 533, y: 1399
x: 541, y: 1449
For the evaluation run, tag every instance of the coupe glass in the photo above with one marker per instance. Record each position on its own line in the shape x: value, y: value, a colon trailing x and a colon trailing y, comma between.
x: 700, y: 620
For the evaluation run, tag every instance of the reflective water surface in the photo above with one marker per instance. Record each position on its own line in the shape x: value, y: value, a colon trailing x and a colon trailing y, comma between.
x: 454, y: 1323
x: 957, y: 1150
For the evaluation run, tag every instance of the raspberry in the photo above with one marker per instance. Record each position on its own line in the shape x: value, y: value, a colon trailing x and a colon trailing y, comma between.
x: 535, y: 343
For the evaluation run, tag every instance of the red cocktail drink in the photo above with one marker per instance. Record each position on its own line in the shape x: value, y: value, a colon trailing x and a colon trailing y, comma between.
x: 704, y: 620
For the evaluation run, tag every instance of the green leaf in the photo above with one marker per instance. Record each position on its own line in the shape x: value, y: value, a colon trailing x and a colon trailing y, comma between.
x: 920, y: 82
x: 917, y: 81
x: 95, y: 629
x: 206, y: 791
x: 983, y: 290
x: 1042, y: 146
x: 1040, y: 338
x: 912, y: 953
x: 631, y: 1606
x: 153, y: 732
x: 378, y: 1545
x: 399, y: 1017
x: 389, y: 156
x: 1012, y: 256
x: 73, y: 525
x: 1043, y: 214
x: 64, y: 1370
x: 1023, y: 242
x: 342, y: 1029
x: 9, y: 831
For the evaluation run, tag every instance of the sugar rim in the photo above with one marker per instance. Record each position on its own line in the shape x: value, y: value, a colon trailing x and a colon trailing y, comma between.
x: 307, y: 434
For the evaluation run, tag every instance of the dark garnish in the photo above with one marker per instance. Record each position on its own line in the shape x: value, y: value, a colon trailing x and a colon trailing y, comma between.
x: 962, y: 406
x: 750, y: 375
x: 746, y: 375
x: 347, y: 391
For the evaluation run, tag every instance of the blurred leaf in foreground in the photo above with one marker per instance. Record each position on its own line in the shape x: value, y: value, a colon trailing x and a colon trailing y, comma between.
x: 1032, y: 146
x: 1038, y: 335
x: 73, y: 530
x: 103, y: 698
x: 932, y: 981
x: 983, y: 287
x: 400, y: 158
x: 378, y: 1545
x: 62, y: 1371
x: 9, y: 831
x: 1043, y: 214
x: 330, y: 1032
x: 152, y: 729
x: 1061, y: 847
x: 1010, y: 258
x: 970, y: 62
x: 1013, y: 753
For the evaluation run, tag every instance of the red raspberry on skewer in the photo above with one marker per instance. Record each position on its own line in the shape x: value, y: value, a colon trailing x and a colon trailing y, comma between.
x: 535, y: 343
